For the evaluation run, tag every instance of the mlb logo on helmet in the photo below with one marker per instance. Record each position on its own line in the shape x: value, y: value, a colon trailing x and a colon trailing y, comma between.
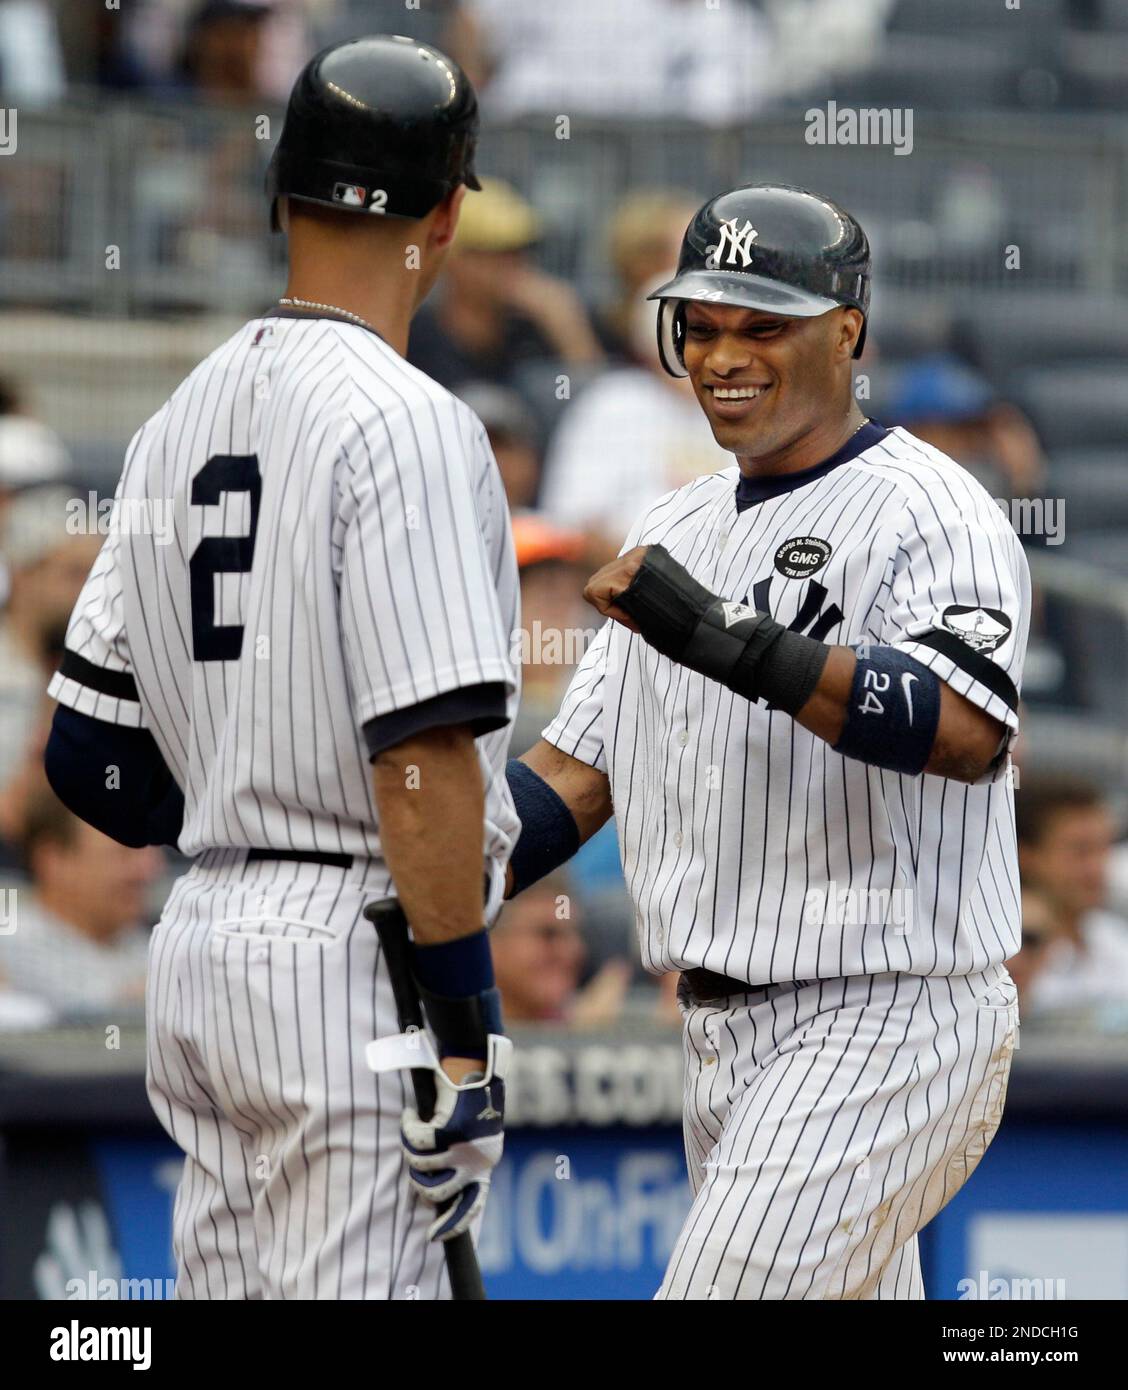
x: 351, y: 194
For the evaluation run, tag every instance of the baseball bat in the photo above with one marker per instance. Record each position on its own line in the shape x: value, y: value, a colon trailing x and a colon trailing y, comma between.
x: 387, y: 916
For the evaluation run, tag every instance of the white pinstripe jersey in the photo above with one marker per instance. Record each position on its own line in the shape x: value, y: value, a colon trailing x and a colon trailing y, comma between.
x: 749, y: 846
x: 340, y: 550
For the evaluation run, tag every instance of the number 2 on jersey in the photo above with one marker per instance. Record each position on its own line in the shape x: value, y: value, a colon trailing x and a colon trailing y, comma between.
x: 212, y: 641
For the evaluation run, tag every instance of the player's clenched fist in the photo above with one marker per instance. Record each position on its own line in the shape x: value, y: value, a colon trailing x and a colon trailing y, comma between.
x: 606, y: 584
x: 452, y: 1155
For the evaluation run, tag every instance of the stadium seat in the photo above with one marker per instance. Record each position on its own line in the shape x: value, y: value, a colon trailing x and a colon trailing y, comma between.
x: 1086, y: 748
x: 1112, y: 14
x: 1094, y: 484
x: 1036, y: 17
x: 904, y: 323
x: 97, y: 463
x: 926, y: 72
x: 1006, y: 330
x: 1074, y: 404
x: 1095, y: 70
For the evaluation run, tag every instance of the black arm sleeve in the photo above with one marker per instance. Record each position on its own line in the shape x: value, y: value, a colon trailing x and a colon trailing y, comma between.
x: 142, y: 805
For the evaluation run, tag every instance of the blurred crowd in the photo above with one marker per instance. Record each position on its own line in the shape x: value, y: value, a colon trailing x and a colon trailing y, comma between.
x: 716, y: 62
x: 586, y: 428
x: 712, y: 61
x: 75, y: 907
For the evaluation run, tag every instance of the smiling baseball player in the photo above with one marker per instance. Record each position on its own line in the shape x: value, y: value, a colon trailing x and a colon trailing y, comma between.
x: 800, y: 715
x: 310, y: 691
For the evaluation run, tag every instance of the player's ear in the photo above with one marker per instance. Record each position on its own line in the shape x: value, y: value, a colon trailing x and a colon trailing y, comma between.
x: 446, y: 218
x: 849, y: 328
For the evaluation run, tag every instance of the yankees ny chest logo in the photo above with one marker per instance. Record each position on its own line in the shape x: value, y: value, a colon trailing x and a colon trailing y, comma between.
x: 798, y: 559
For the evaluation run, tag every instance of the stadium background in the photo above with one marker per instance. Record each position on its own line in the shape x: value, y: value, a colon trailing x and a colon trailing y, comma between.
x: 133, y: 238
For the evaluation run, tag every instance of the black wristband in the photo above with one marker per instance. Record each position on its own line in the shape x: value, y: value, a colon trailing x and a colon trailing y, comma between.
x: 729, y: 642
x: 665, y: 602
x: 728, y: 637
x: 462, y: 1026
x: 785, y: 672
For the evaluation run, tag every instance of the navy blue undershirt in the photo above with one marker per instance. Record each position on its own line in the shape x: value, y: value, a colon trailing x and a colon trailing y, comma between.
x: 749, y: 491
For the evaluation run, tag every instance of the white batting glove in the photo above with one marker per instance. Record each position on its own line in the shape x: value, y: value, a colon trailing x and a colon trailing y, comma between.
x: 452, y: 1155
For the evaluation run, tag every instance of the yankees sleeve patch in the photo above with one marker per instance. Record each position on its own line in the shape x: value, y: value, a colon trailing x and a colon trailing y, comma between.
x: 960, y: 594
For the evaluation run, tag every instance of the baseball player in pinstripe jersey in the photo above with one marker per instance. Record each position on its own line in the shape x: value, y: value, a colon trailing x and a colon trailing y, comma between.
x: 800, y: 715
x: 309, y: 691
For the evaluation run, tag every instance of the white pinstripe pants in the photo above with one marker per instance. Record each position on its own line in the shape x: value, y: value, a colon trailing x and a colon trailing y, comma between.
x: 827, y: 1122
x: 265, y: 984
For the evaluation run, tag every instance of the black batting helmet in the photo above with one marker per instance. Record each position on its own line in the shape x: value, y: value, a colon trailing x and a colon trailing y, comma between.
x: 767, y: 246
x: 377, y: 125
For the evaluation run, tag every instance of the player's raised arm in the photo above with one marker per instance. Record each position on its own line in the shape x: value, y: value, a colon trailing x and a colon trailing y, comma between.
x: 878, y: 702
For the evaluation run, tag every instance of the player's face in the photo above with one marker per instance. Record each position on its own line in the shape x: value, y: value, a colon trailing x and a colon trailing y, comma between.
x: 764, y: 380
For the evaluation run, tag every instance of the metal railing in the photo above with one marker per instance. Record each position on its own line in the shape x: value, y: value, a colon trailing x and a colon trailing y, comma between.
x: 122, y: 207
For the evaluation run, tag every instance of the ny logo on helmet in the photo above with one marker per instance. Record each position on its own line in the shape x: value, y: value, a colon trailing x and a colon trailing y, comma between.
x: 737, y: 242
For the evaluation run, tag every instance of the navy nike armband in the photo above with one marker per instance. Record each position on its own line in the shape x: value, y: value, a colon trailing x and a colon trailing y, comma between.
x: 892, y: 713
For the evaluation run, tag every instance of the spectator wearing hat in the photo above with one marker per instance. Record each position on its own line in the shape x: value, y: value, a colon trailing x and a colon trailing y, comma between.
x: 31, y: 455
x: 556, y: 624
x: 643, y: 241
x: 556, y: 628
x: 495, y: 309
x: 950, y: 406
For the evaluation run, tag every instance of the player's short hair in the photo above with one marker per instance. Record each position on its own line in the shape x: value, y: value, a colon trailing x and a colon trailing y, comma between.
x: 1043, y: 797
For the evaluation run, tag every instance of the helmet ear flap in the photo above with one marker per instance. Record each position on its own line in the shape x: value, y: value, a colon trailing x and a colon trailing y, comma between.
x: 671, y: 336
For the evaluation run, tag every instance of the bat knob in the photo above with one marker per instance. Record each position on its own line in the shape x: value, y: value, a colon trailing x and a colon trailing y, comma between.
x: 382, y: 910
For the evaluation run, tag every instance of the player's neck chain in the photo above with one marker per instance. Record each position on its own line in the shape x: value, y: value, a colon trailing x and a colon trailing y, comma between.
x: 288, y: 302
